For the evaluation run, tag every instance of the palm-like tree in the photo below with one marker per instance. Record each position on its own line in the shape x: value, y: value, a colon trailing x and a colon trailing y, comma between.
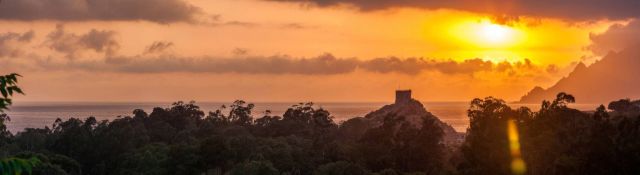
x: 12, y: 165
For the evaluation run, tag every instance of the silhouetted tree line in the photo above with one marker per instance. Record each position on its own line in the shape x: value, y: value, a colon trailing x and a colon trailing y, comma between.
x: 555, y: 140
x: 183, y: 139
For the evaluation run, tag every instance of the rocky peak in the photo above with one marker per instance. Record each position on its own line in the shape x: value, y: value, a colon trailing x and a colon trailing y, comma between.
x: 413, y: 112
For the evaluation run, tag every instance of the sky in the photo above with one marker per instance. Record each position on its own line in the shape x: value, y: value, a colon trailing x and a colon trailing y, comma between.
x: 303, y: 50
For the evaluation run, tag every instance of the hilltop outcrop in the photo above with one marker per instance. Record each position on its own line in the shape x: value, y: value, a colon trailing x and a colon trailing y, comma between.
x: 413, y: 112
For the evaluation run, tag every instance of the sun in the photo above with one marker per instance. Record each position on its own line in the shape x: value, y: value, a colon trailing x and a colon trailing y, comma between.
x: 494, y: 33
x: 485, y: 39
x: 485, y: 34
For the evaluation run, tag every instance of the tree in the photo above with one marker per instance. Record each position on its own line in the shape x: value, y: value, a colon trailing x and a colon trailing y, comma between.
x: 5, y: 135
x: 601, y: 113
x: 151, y: 159
x: 624, y: 106
x: 340, y: 168
x: 486, y: 147
x: 8, y: 86
x: 240, y: 113
x: 11, y: 165
x: 255, y: 168
x: 403, y: 146
x: 563, y: 99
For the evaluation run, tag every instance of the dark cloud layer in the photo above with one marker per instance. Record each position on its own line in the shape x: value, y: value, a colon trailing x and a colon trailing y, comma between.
x: 326, y: 64
x: 70, y: 44
x: 507, y: 9
x: 616, y: 38
x: 417, y: 65
x: 10, y: 39
x: 160, y: 11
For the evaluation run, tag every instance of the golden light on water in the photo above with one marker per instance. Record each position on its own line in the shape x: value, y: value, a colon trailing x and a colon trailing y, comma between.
x: 518, y: 165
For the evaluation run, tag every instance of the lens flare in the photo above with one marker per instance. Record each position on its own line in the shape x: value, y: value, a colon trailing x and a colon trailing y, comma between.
x: 517, y: 164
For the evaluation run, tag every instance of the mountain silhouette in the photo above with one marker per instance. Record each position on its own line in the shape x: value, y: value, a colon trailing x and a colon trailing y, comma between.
x: 616, y: 76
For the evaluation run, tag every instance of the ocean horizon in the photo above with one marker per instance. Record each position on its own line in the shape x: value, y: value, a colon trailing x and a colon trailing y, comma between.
x: 43, y: 114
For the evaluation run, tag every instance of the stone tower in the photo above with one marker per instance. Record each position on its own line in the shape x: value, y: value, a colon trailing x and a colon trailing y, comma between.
x: 403, y: 96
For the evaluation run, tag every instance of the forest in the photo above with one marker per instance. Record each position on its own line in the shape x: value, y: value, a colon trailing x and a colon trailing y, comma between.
x: 183, y: 139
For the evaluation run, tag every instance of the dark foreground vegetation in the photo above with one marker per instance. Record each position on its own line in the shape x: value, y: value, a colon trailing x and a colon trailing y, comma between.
x: 183, y: 139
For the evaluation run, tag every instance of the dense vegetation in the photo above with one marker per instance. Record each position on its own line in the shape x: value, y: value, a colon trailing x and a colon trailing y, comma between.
x: 183, y: 139
x: 555, y: 140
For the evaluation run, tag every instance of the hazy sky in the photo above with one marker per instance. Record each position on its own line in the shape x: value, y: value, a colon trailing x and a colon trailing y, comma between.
x: 303, y: 50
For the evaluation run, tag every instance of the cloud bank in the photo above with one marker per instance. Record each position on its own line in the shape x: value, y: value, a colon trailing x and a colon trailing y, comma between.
x: 10, y: 43
x: 563, y: 9
x: 159, y: 11
x: 71, y: 44
x: 325, y: 64
x: 97, y: 51
x: 616, y: 38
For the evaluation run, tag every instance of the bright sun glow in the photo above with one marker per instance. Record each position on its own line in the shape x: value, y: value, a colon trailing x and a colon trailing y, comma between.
x: 490, y: 41
x: 488, y: 35
x: 494, y: 33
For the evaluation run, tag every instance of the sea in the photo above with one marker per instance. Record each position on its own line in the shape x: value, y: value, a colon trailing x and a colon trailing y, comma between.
x: 43, y: 114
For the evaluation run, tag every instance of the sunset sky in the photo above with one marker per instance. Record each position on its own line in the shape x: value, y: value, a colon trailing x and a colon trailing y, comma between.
x: 302, y: 50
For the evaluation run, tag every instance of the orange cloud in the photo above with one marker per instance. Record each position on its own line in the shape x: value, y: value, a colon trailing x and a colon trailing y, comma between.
x: 9, y: 43
x: 506, y: 10
x: 616, y: 38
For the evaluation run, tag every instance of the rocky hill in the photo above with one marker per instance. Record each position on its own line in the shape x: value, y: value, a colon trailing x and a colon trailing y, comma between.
x: 413, y: 111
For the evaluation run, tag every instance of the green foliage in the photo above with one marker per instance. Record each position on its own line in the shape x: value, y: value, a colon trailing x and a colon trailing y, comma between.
x: 8, y: 86
x: 52, y: 164
x: 12, y: 165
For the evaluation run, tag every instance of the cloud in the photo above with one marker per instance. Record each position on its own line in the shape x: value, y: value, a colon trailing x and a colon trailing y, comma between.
x: 325, y: 64
x: 563, y: 9
x: 10, y: 43
x: 279, y: 64
x: 616, y: 38
x: 159, y: 11
x: 70, y: 44
x: 412, y: 66
x: 158, y: 47
x: 155, y: 59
